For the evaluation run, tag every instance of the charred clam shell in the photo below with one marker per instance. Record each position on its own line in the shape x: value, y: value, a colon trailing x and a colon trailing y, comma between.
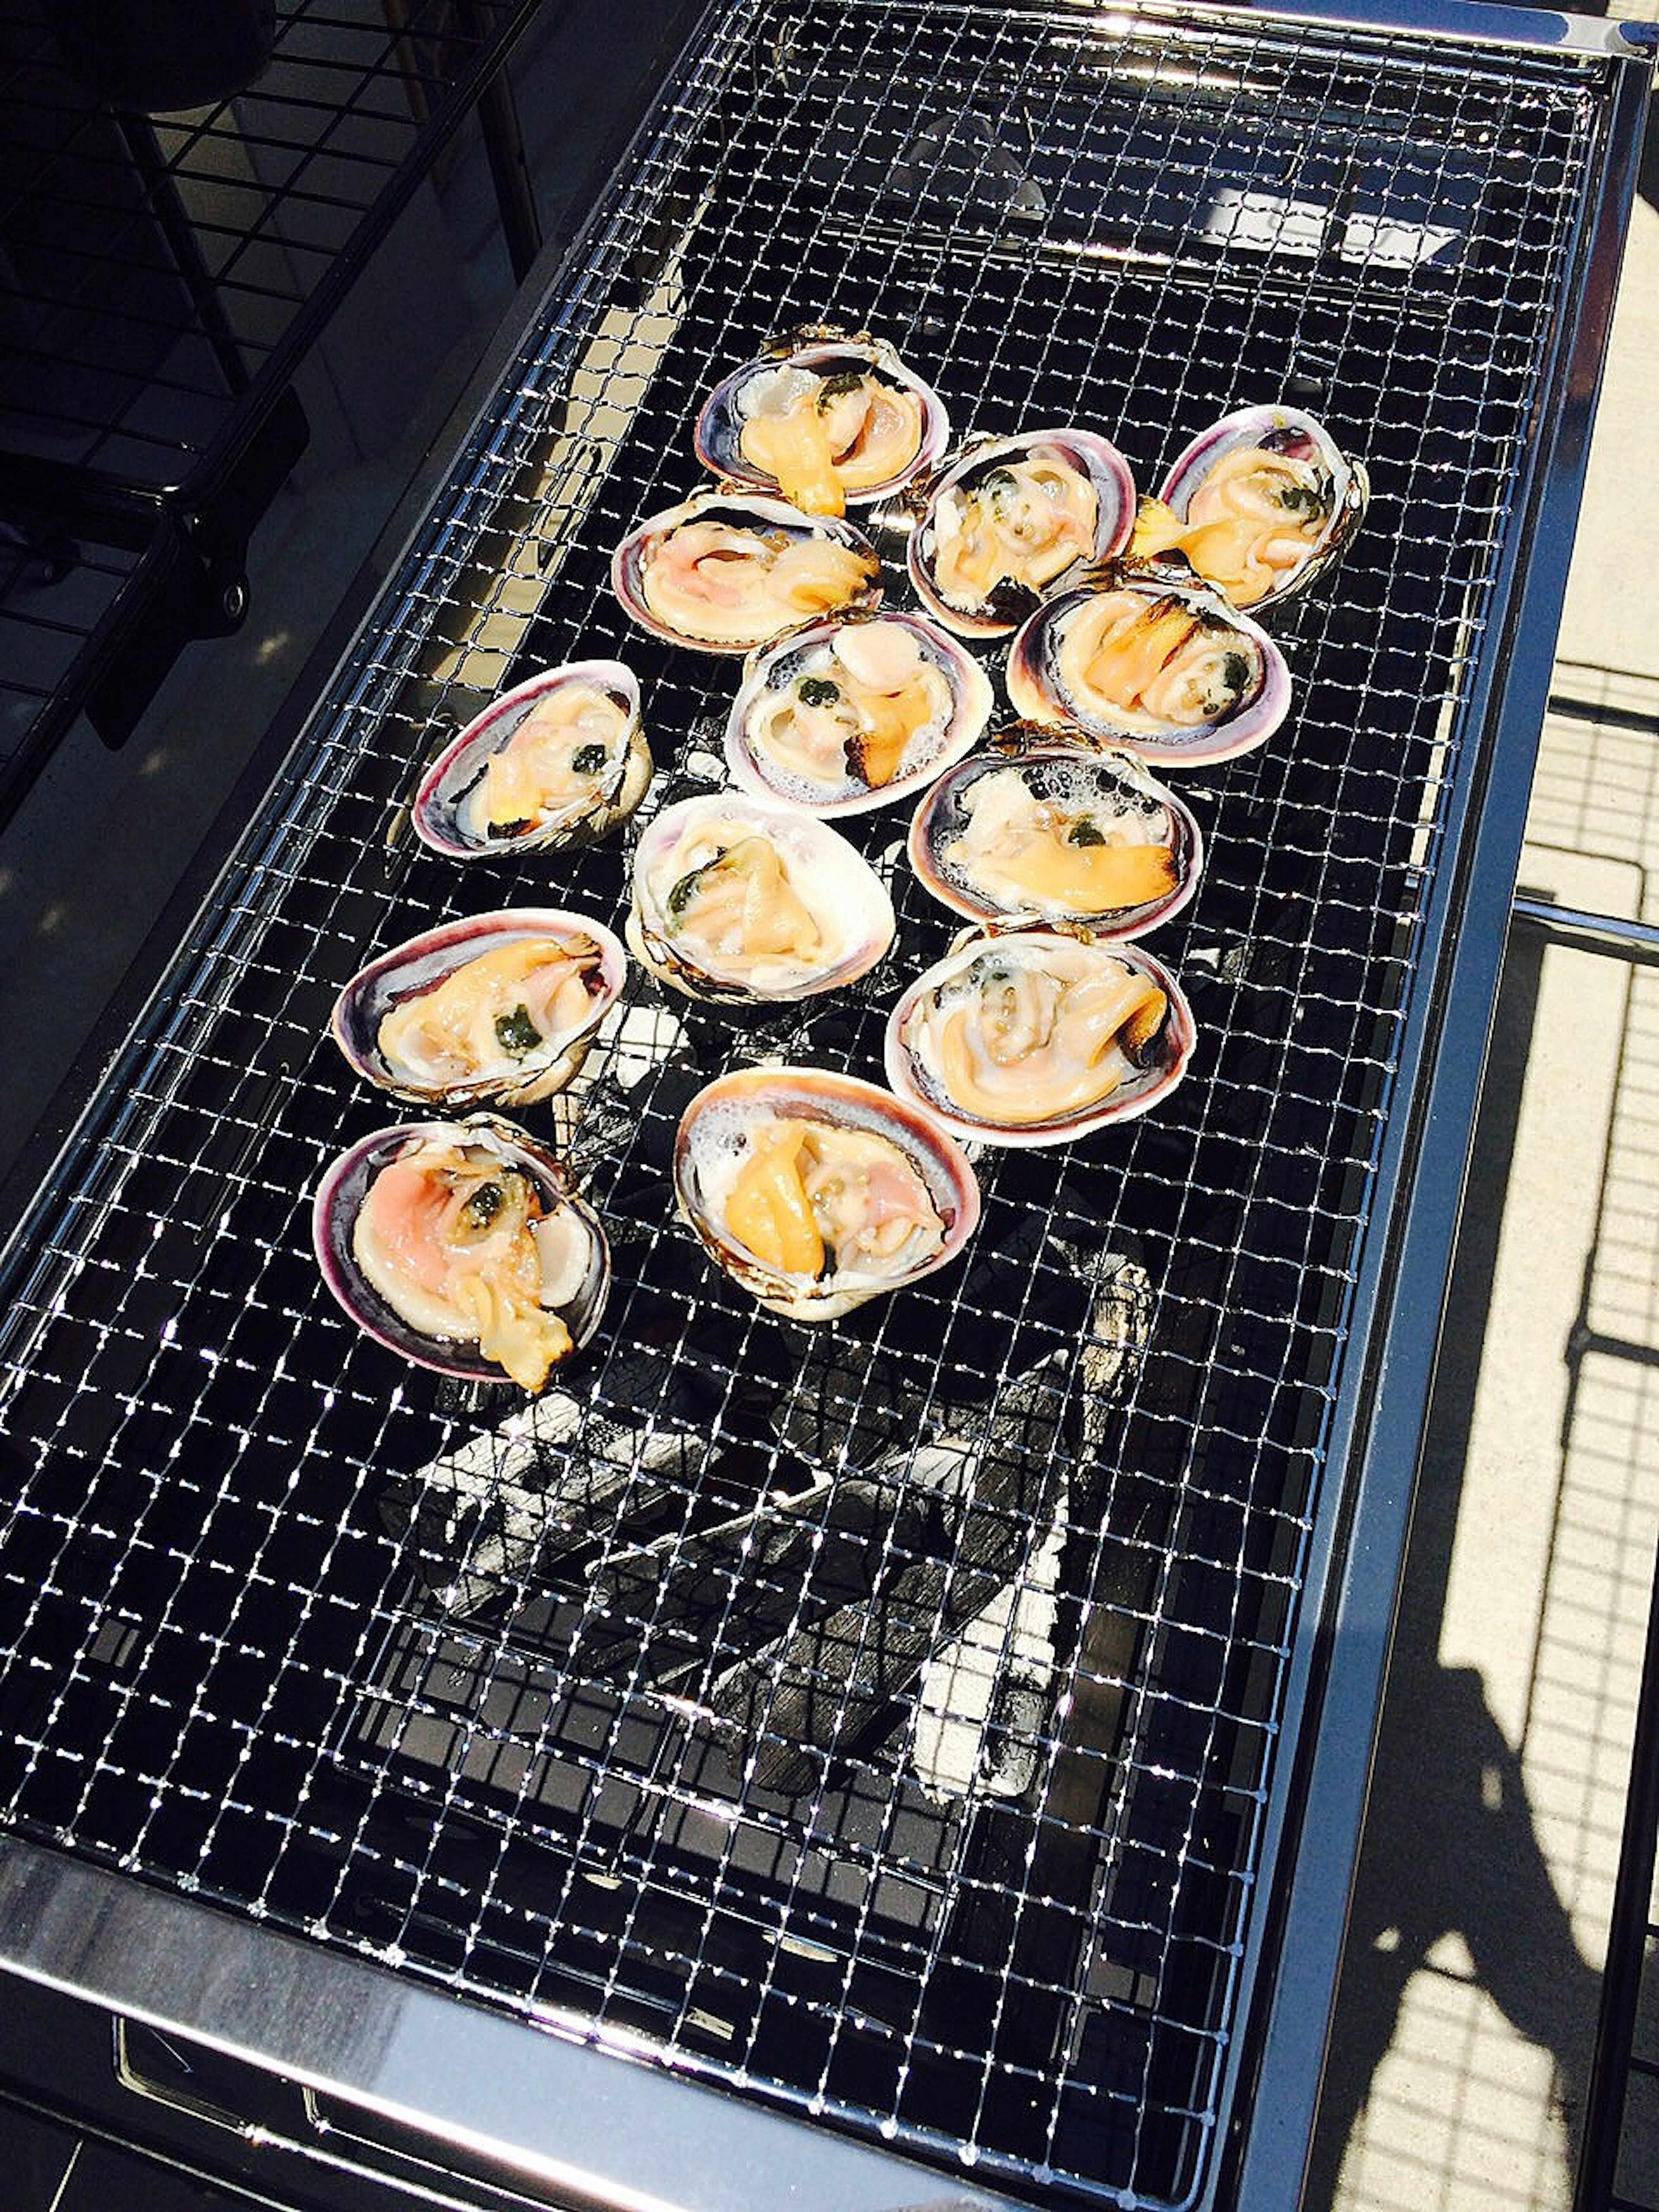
x: 1036, y: 1036
x: 723, y: 573
x: 1260, y: 504
x: 816, y: 1191
x: 1060, y: 834
x: 830, y: 424
x: 500, y: 1008
x: 739, y: 901
x: 853, y: 711
x: 1165, y: 668
x: 463, y: 1246
x: 1009, y: 520
x: 560, y: 759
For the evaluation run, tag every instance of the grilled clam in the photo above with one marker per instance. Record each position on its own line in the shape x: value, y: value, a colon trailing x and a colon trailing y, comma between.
x: 464, y: 1246
x: 501, y: 1007
x: 723, y: 574
x: 1260, y: 504
x: 1157, y: 662
x: 852, y: 712
x: 828, y: 421
x: 1060, y: 834
x: 1009, y: 520
x: 816, y: 1191
x: 1036, y: 1036
x: 739, y: 901
x: 560, y: 759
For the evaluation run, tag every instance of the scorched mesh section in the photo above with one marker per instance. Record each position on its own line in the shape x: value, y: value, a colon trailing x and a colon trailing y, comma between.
x: 882, y: 1714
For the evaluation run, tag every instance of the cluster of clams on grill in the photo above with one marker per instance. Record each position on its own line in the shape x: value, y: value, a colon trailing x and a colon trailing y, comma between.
x: 1133, y: 645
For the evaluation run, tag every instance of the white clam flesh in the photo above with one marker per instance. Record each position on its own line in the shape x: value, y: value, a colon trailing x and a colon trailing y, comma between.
x: 852, y: 713
x: 549, y: 765
x: 500, y: 1006
x: 1259, y: 505
x: 1011, y: 519
x: 1149, y: 668
x: 723, y: 575
x: 462, y: 1246
x: 817, y: 1191
x: 560, y: 759
x: 1058, y: 833
x: 829, y: 422
x: 1154, y: 660
x: 740, y: 901
x: 1037, y: 1036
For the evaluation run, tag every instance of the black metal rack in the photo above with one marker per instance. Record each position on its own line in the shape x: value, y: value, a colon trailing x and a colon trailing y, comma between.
x: 165, y: 277
x: 1618, y: 2157
x: 1618, y: 2167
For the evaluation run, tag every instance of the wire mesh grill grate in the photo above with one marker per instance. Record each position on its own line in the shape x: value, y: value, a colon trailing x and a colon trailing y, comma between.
x: 276, y: 1635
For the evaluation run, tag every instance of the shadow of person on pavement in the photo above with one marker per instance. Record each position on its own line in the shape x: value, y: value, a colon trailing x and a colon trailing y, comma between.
x: 1451, y: 1848
x: 1452, y: 1851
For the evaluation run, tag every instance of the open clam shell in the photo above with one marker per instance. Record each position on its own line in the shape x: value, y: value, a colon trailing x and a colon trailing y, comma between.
x: 573, y: 1256
x: 792, y: 1153
x: 499, y: 1008
x: 1037, y: 1036
x: 724, y: 573
x: 737, y: 900
x: 1155, y: 662
x: 1261, y: 503
x: 855, y: 712
x: 560, y: 759
x: 1059, y: 833
x: 1010, y: 520
x: 842, y: 417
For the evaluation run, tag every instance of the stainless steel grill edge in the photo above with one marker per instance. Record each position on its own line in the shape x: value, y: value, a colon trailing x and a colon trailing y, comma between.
x: 232, y: 1673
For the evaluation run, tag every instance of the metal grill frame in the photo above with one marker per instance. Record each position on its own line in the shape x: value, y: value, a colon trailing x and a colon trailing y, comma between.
x: 1374, y: 1423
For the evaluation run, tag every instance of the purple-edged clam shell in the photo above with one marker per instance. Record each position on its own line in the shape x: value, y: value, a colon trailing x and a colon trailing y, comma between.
x: 345, y: 1184
x: 1344, y: 486
x: 846, y: 898
x: 1112, y: 793
x: 1005, y: 605
x: 712, y: 1141
x: 1042, y: 689
x: 755, y: 623
x: 409, y: 970
x: 756, y: 762
x: 718, y: 436
x: 447, y: 789
x: 987, y: 961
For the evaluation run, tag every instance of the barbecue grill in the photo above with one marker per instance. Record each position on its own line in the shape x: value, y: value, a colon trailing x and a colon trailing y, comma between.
x: 426, y: 1754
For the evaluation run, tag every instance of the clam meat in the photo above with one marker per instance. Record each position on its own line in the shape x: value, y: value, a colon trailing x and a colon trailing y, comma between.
x: 1009, y: 521
x: 1165, y: 668
x: 736, y: 900
x: 559, y: 759
x: 499, y: 1007
x: 1037, y: 1036
x: 816, y: 1191
x: 462, y: 1246
x: 1060, y: 834
x: 833, y: 423
x: 1260, y: 504
x: 852, y: 712
x: 723, y: 575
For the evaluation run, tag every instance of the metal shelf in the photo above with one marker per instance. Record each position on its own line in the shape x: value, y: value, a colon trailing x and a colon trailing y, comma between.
x: 166, y: 276
x: 1617, y: 2172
